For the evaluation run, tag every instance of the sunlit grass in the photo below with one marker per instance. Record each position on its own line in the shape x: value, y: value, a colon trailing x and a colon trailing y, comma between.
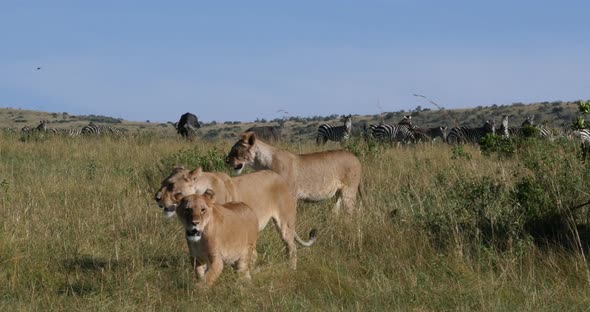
x: 80, y: 231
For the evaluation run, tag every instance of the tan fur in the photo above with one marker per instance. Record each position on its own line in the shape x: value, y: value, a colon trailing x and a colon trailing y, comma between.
x: 265, y: 191
x: 228, y: 234
x: 314, y: 176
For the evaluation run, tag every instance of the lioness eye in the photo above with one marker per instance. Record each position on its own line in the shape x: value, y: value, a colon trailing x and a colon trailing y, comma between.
x: 203, y: 210
x: 178, y: 195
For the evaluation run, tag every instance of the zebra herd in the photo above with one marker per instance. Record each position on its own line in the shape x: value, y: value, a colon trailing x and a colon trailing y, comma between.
x: 406, y: 132
x: 90, y: 130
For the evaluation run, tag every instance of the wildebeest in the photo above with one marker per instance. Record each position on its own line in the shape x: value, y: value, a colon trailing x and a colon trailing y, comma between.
x: 267, y: 133
x: 187, y: 125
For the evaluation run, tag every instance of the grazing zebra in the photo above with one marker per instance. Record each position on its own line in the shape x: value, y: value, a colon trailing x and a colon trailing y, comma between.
x: 26, y: 130
x: 582, y: 135
x: 462, y: 135
x: 393, y: 133
x: 92, y: 129
x: 96, y: 130
x: 429, y: 134
x: 543, y: 131
x: 70, y: 132
x: 335, y: 133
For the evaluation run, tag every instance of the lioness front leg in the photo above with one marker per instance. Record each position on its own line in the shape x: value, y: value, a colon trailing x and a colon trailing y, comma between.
x: 243, y: 267
x: 199, y: 267
x: 213, y: 271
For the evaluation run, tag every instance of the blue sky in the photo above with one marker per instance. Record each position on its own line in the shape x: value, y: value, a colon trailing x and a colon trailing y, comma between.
x: 242, y: 60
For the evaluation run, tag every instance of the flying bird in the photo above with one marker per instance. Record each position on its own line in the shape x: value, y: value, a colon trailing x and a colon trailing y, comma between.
x: 38, y: 68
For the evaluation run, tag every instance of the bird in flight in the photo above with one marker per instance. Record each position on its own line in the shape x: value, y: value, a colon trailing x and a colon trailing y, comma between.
x: 38, y: 68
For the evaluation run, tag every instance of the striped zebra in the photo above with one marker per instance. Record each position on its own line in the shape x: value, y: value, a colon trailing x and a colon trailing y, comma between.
x: 429, y: 134
x: 504, y: 129
x: 543, y: 131
x: 407, y: 120
x: 92, y: 129
x: 583, y: 135
x: 26, y: 130
x: 368, y: 131
x: 393, y: 133
x: 328, y: 132
x: 70, y: 132
x: 97, y: 130
x: 462, y: 135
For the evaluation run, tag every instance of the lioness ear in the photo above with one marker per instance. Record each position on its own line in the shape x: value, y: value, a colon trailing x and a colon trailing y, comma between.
x: 183, y: 203
x: 209, y: 194
x: 195, y: 173
x: 248, y: 137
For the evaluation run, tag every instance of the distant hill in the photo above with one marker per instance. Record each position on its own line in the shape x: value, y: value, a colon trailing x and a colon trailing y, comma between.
x: 554, y: 114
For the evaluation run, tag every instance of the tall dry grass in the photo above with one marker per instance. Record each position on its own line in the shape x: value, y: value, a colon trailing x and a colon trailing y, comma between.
x: 79, y: 231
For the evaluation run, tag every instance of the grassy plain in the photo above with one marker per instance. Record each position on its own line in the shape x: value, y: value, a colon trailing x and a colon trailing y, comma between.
x: 79, y: 230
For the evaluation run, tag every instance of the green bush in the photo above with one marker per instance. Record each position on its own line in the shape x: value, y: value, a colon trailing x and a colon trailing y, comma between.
x: 210, y: 160
x: 541, y: 205
x: 494, y: 144
x: 459, y: 152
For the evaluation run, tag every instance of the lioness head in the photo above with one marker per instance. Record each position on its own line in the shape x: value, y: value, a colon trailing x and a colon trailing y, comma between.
x: 241, y: 154
x: 180, y: 183
x: 196, y: 213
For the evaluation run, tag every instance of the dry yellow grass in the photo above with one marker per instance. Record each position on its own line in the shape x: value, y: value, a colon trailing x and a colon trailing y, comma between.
x: 80, y: 231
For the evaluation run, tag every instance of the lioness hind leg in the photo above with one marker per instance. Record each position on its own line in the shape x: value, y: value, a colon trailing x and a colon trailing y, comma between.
x: 287, y: 232
x: 243, y: 267
x: 349, y: 198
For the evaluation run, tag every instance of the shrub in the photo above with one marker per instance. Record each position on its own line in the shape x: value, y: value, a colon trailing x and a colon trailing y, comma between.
x: 499, y: 145
x: 209, y: 160
x: 458, y: 152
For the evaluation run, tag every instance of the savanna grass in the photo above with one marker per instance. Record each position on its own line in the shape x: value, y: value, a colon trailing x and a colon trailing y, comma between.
x: 80, y: 231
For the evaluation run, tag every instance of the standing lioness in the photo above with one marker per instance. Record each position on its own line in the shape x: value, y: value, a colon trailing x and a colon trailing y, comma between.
x: 265, y: 192
x: 314, y: 176
x: 218, y: 234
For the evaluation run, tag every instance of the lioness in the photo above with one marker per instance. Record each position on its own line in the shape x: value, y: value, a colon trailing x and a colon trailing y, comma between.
x: 265, y: 192
x: 218, y: 233
x: 314, y: 176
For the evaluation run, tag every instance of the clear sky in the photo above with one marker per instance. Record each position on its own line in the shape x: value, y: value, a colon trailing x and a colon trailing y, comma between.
x: 239, y: 60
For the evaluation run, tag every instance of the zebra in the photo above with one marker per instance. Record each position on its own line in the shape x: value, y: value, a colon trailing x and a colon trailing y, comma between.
x: 429, y: 134
x: 70, y: 132
x: 583, y: 135
x: 42, y: 127
x: 393, y: 133
x: 543, y: 131
x: 92, y: 129
x: 335, y: 133
x: 407, y: 120
x: 462, y: 135
x: 26, y: 130
x: 504, y: 129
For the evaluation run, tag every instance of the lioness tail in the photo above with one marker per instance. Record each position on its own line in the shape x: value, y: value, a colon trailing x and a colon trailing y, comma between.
x: 313, y: 235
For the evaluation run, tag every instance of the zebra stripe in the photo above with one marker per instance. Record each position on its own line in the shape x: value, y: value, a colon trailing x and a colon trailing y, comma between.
x: 92, y: 129
x: 429, y: 134
x: 70, y: 132
x: 544, y: 132
x: 583, y: 135
x: 504, y: 129
x: 393, y: 133
x: 462, y: 135
x: 328, y: 132
x: 97, y: 130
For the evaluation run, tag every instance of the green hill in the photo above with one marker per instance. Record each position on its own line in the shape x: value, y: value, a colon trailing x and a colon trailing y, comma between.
x: 554, y: 114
